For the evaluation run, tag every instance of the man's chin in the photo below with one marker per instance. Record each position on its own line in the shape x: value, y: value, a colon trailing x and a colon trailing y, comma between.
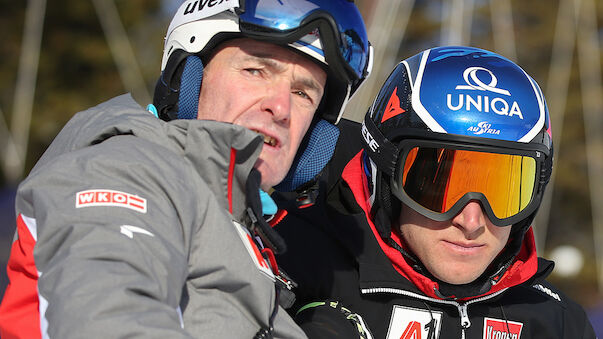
x: 269, y: 177
x: 266, y: 185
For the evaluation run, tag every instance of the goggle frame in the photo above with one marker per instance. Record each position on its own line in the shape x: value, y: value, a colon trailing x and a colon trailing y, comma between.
x: 536, y: 151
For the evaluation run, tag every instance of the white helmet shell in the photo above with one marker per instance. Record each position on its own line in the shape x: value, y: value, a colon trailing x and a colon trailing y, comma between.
x: 187, y: 36
x: 192, y: 29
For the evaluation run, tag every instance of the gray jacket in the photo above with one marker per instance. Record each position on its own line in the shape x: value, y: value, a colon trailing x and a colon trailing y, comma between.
x: 134, y: 234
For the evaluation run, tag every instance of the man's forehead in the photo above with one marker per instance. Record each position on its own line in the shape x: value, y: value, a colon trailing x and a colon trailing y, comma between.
x: 268, y: 50
x: 279, y: 57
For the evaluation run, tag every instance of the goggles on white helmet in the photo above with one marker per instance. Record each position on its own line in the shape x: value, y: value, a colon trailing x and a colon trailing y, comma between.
x: 339, y: 23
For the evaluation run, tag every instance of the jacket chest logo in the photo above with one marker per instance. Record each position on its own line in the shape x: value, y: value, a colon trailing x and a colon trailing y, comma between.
x: 414, y: 323
x: 253, y: 250
x: 103, y: 197
x: 501, y: 329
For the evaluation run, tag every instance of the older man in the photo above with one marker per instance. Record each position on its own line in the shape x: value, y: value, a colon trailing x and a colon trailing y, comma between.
x: 131, y: 225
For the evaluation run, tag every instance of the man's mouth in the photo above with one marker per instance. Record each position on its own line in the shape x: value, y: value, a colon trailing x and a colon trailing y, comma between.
x: 268, y: 139
x: 464, y: 246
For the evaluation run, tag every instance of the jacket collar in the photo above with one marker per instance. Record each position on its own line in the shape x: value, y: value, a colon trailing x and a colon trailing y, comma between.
x: 222, y: 154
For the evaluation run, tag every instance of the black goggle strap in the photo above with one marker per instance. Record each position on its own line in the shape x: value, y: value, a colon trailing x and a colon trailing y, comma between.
x: 380, y: 150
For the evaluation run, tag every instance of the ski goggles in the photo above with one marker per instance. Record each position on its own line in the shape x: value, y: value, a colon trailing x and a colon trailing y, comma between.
x: 341, y: 28
x: 438, y: 180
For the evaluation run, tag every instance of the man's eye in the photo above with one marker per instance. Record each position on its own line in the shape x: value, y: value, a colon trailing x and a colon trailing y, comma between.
x: 253, y: 71
x: 302, y: 94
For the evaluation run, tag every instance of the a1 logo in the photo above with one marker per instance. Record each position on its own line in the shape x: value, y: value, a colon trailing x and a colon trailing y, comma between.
x: 414, y: 323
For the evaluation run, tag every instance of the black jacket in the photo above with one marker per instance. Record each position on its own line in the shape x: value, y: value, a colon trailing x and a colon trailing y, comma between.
x: 334, y: 253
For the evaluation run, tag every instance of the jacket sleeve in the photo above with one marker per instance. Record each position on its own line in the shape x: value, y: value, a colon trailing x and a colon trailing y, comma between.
x: 578, y: 324
x: 331, y: 320
x: 113, y: 222
x: 560, y: 316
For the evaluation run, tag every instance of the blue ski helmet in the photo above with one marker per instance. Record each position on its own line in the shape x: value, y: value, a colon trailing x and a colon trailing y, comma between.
x: 455, y: 124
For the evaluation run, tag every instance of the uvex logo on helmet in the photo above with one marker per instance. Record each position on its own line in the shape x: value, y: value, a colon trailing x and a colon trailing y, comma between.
x: 482, y: 102
x: 191, y: 6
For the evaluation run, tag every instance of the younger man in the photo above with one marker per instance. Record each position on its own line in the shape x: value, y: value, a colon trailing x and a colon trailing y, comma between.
x: 427, y: 232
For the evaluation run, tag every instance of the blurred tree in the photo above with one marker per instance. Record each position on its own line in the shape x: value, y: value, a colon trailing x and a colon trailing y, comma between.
x: 76, y: 68
x: 76, y: 71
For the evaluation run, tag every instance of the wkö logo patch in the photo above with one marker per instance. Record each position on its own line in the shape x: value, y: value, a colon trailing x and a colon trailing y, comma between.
x: 501, y: 329
x: 92, y: 198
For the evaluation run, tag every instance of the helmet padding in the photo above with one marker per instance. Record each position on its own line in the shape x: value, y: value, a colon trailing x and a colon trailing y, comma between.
x: 318, y: 145
x: 190, y: 86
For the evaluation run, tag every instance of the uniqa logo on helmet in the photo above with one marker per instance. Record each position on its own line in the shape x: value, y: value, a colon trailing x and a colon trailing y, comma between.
x: 482, y: 103
x: 466, y: 91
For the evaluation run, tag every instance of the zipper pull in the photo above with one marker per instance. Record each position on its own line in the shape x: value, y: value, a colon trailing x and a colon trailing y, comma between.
x: 465, y: 322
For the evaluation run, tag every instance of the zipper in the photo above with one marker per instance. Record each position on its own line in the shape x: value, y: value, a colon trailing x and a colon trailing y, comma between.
x: 284, y: 279
x: 461, y: 307
x: 465, y: 322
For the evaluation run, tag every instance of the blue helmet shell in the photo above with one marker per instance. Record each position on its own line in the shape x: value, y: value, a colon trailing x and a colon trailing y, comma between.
x: 464, y: 91
x: 474, y: 92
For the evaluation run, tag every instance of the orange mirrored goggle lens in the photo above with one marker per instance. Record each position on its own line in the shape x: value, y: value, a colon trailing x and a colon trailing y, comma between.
x: 437, y: 178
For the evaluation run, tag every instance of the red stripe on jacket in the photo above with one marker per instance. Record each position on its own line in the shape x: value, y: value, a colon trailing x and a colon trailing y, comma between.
x: 19, y: 311
x: 231, y: 166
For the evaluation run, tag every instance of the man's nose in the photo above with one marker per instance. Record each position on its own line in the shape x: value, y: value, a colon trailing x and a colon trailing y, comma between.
x: 471, y: 220
x: 277, y: 101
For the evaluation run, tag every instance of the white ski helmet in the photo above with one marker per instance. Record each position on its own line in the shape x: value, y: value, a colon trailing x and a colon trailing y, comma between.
x: 330, y: 32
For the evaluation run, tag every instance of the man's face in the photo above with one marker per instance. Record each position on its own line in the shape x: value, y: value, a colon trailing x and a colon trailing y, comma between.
x: 456, y: 251
x: 268, y: 89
